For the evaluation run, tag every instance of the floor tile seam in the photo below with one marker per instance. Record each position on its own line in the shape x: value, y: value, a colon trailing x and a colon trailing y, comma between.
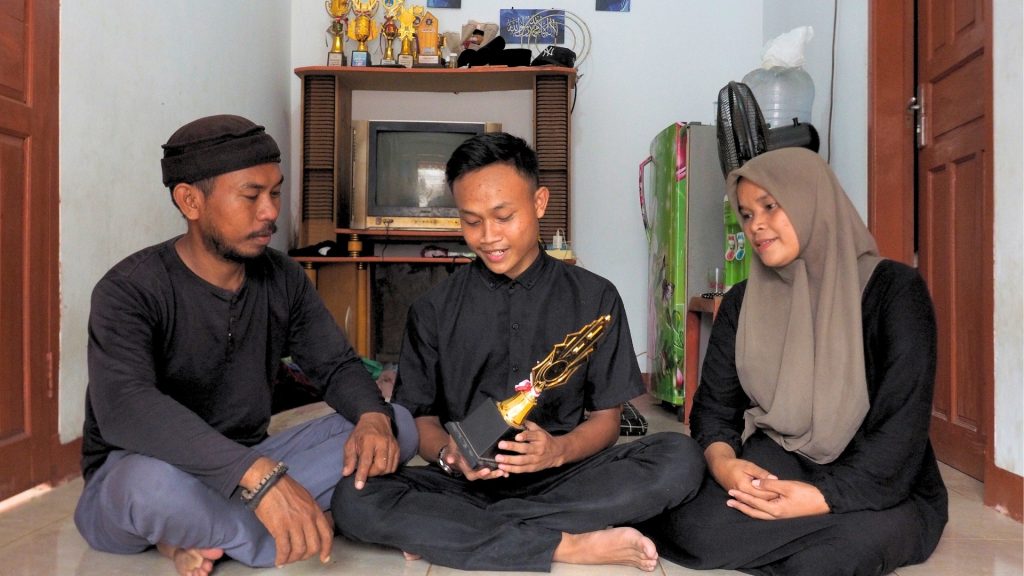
x: 968, y: 494
x: 25, y: 535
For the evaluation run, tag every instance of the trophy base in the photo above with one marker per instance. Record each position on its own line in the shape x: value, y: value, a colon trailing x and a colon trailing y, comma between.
x: 478, y: 435
x: 360, y: 58
x: 335, y: 59
x: 405, y: 60
x: 388, y: 62
x: 429, y: 60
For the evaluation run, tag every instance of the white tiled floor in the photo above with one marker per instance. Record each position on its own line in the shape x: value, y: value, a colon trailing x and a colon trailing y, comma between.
x: 38, y: 538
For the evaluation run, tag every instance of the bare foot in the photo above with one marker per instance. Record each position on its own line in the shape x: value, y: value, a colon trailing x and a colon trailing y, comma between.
x: 410, y: 556
x: 191, y: 561
x: 623, y: 546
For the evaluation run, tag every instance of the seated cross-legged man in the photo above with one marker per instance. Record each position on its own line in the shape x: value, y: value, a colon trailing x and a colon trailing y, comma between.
x: 185, y: 340
x: 562, y: 484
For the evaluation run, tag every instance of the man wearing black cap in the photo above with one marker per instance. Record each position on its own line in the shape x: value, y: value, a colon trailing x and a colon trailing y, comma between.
x: 185, y: 339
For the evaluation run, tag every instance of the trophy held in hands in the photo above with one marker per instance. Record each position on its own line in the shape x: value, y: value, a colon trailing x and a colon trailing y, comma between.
x: 338, y: 11
x: 478, y: 435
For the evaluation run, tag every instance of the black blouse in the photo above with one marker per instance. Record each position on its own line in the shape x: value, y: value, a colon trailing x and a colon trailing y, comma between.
x: 889, y: 459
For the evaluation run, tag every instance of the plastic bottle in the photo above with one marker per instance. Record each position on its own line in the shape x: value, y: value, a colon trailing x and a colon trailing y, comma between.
x: 737, y: 250
x: 782, y: 93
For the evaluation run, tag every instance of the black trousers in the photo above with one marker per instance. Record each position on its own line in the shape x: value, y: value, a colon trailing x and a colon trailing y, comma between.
x: 705, y: 534
x: 516, y: 523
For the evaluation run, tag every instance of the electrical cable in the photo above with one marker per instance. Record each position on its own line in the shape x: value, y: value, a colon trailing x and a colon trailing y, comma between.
x: 832, y: 80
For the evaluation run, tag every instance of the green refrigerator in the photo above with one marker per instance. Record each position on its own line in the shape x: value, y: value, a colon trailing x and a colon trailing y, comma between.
x: 681, y: 191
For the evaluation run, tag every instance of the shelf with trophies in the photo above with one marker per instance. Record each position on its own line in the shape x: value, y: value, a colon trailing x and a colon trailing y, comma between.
x: 365, y: 272
x: 413, y: 26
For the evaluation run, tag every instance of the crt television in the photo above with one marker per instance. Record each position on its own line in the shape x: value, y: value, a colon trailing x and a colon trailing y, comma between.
x: 398, y: 180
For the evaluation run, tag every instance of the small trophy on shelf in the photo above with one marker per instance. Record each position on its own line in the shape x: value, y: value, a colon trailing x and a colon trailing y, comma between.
x: 363, y: 30
x: 338, y: 11
x: 426, y: 40
x: 407, y: 18
x: 479, y: 433
x: 389, y: 29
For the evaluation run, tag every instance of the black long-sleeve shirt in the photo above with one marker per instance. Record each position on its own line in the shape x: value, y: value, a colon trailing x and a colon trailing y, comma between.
x: 183, y: 371
x: 889, y: 459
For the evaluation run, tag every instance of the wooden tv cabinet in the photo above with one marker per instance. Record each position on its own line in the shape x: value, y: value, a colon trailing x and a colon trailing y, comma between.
x: 344, y: 282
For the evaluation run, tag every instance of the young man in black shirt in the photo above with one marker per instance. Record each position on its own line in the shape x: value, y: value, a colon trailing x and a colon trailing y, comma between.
x: 185, y: 340
x: 562, y: 481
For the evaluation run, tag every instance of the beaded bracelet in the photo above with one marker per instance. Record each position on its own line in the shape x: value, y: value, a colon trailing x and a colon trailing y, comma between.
x: 252, y: 498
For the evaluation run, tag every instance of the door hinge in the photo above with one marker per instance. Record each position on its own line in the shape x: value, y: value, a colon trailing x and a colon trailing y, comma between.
x: 916, y: 107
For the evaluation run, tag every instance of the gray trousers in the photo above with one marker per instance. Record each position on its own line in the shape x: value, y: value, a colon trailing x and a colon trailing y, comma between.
x: 133, y: 501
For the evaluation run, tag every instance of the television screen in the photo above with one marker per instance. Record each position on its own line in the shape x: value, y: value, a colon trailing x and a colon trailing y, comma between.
x: 407, y: 164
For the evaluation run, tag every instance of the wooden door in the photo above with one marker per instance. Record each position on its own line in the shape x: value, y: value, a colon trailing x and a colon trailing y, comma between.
x: 29, y: 449
x: 955, y: 220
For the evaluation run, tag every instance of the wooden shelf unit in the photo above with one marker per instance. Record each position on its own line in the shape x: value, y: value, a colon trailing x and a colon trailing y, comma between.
x: 326, y: 160
x: 326, y: 164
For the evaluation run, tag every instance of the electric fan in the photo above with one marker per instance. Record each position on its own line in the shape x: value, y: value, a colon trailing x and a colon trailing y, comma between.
x: 743, y: 133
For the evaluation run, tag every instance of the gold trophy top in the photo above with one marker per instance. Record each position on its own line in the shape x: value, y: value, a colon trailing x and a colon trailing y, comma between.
x: 392, y: 7
x: 365, y: 9
x: 407, y: 21
x: 554, y: 370
x: 337, y: 9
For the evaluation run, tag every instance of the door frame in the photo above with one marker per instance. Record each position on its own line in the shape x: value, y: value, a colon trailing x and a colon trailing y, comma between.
x: 891, y: 59
x: 51, y: 462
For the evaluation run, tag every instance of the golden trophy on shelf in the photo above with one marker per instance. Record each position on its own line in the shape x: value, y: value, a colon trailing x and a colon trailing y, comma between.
x: 338, y: 11
x: 363, y: 30
x: 478, y: 435
x: 426, y: 40
x: 407, y: 18
x: 389, y: 29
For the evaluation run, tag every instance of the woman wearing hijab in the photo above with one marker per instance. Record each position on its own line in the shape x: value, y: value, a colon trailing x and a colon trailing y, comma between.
x: 815, y: 395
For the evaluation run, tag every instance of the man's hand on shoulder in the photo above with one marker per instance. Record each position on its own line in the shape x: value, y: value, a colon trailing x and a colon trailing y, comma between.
x: 371, y: 449
x: 292, y: 517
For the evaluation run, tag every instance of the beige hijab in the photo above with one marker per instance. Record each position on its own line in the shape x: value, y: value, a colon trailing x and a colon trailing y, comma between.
x: 799, y: 345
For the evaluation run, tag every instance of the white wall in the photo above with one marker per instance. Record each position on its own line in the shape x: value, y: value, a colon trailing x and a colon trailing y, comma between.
x: 1008, y: 64
x: 131, y: 73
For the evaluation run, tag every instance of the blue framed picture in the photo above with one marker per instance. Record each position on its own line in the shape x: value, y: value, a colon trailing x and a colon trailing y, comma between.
x: 611, y: 5
x: 532, y: 25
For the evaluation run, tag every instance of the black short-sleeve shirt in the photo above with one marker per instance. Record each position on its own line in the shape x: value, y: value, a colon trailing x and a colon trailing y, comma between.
x: 477, y: 334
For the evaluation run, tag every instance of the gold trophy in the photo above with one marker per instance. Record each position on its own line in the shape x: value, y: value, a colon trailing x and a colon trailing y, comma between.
x: 338, y: 11
x: 478, y: 435
x: 363, y: 30
x: 389, y: 30
x: 426, y: 40
x: 407, y: 18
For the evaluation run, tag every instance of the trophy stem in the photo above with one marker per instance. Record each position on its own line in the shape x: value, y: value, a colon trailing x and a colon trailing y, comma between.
x: 515, y: 409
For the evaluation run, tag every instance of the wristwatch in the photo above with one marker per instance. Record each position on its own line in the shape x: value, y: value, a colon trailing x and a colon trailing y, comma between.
x: 443, y: 464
